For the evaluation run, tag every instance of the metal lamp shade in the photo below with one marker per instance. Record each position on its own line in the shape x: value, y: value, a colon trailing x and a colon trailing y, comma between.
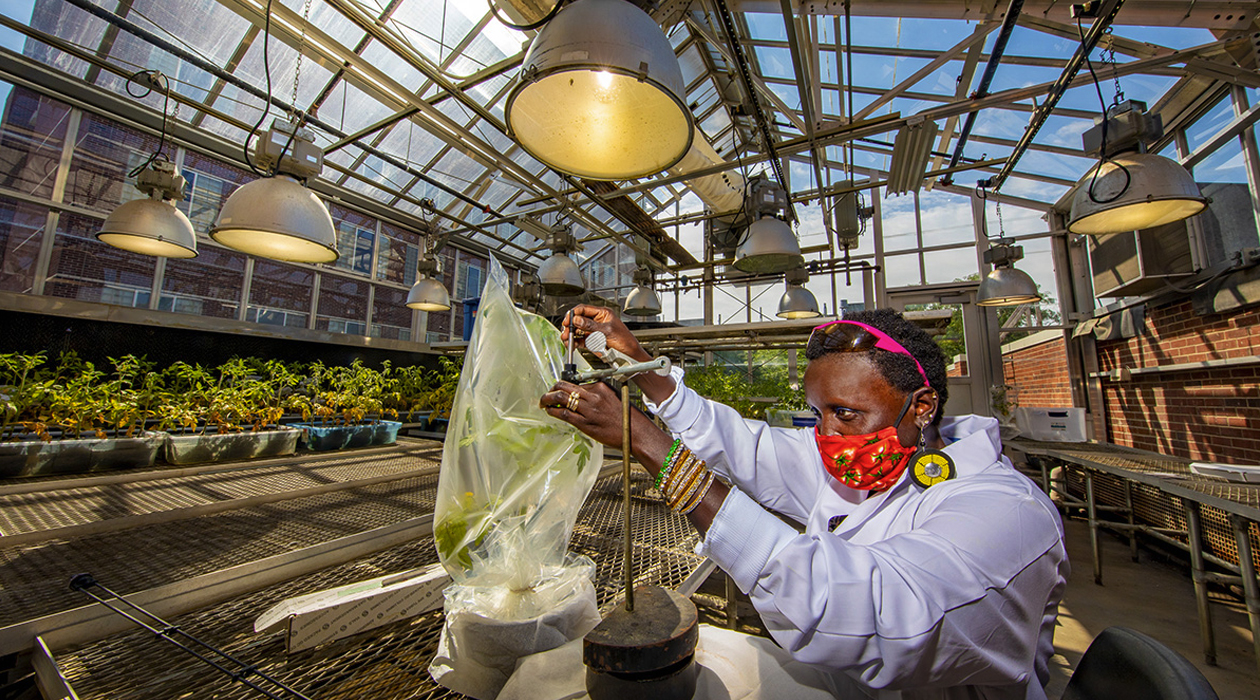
x: 798, y: 302
x: 769, y: 246
x: 642, y: 301
x: 601, y: 94
x: 560, y: 276
x: 150, y: 226
x: 428, y: 294
x: 277, y: 218
x: 1155, y: 191
x: 1007, y: 286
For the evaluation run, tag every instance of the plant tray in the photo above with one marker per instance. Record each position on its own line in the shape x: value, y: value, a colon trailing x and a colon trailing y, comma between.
x: 231, y: 447
x: 321, y: 438
x: 39, y: 458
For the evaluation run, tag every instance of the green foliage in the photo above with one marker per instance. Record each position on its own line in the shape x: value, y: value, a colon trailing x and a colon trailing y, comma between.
x: 243, y: 394
x: 767, y: 387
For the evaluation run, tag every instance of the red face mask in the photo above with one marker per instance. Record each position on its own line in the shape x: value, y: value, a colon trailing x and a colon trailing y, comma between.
x: 869, y: 462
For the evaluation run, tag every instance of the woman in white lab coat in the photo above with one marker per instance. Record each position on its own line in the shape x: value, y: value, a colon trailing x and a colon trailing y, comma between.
x: 928, y: 567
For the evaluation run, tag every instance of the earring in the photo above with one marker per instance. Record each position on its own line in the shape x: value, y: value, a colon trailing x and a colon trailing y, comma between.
x: 929, y: 466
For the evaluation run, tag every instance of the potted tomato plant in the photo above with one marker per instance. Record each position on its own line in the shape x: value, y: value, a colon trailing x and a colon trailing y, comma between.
x: 71, y: 418
x: 344, y: 401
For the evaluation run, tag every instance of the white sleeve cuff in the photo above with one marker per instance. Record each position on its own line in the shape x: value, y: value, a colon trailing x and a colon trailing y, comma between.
x: 682, y: 408
x: 743, y: 537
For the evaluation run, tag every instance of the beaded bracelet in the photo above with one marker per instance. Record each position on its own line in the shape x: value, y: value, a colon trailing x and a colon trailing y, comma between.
x: 667, y: 465
x: 672, y: 467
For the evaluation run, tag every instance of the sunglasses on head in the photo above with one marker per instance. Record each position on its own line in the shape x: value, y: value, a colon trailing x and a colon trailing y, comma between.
x: 852, y: 336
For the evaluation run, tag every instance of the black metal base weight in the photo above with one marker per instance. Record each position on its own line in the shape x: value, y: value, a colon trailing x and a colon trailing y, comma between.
x: 646, y: 652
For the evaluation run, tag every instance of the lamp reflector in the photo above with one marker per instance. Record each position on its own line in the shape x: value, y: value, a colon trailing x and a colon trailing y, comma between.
x: 277, y: 218
x: 560, y: 276
x: 150, y: 226
x: 642, y: 301
x: 428, y: 294
x: 769, y: 246
x: 1135, y: 191
x: 1007, y: 286
x: 600, y: 94
x: 798, y: 302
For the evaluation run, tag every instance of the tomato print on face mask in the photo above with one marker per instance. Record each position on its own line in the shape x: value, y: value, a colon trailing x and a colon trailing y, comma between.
x: 869, y: 462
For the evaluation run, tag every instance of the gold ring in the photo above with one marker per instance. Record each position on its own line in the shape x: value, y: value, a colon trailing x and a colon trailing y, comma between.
x: 573, y: 401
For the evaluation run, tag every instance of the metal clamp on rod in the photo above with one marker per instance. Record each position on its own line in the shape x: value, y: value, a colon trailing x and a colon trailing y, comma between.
x: 660, y: 363
x: 622, y: 364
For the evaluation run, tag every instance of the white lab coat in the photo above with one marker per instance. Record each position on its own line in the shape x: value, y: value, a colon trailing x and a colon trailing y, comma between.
x: 946, y: 592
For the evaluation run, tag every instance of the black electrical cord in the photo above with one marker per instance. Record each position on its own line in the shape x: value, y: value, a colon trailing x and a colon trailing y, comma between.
x: 494, y: 10
x: 155, y: 79
x: 1102, y: 156
x: 267, y: 103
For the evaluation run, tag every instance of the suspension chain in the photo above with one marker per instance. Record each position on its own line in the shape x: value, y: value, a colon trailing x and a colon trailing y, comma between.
x: 1109, y: 55
x: 297, y: 69
x: 1001, y: 227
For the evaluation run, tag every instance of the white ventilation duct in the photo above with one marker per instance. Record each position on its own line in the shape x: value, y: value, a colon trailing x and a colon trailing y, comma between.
x: 723, y: 191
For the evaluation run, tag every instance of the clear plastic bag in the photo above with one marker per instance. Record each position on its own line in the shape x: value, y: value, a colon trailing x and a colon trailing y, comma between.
x: 513, y: 477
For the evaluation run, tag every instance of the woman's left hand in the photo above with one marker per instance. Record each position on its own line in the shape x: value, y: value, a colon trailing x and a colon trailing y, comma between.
x: 596, y: 410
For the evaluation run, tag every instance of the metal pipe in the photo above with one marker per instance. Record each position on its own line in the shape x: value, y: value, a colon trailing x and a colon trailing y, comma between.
x: 1195, y: 531
x: 195, y: 60
x: 1128, y: 503
x: 1093, y: 526
x: 627, y: 568
x: 990, y: 68
x: 1247, y: 569
x: 1096, y: 30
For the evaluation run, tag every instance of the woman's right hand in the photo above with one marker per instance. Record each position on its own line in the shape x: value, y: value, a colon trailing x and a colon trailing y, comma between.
x: 586, y: 319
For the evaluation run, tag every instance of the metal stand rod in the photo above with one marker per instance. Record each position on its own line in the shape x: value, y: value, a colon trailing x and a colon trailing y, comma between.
x: 83, y: 582
x: 1093, y: 527
x: 626, y: 568
x: 1247, y: 567
x: 1197, y: 574
x: 1128, y: 504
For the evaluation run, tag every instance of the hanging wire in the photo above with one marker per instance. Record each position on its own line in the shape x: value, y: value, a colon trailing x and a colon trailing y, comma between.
x: 296, y: 117
x: 153, y: 79
x: 1102, y: 156
x: 267, y: 105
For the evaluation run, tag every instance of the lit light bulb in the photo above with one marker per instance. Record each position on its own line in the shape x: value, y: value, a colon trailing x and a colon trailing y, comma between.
x: 604, y: 79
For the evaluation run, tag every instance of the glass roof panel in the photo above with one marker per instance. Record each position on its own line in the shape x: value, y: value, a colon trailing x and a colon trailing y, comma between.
x: 934, y: 34
x: 1210, y: 124
x: 692, y: 65
x: 434, y: 28
x: 393, y: 65
x: 204, y: 27
x: 489, y: 46
x: 281, y: 59
x: 765, y: 26
x: 328, y: 21
x: 69, y: 23
x: 775, y: 62
x: 350, y: 109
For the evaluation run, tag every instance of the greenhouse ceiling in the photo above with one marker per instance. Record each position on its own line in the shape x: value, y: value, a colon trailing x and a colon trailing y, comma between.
x: 407, y: 96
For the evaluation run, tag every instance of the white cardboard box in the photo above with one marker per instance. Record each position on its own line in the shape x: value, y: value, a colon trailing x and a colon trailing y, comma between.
x: 325, y: 616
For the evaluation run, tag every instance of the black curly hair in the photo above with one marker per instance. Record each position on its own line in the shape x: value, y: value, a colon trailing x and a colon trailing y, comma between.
x: 897, y: 369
